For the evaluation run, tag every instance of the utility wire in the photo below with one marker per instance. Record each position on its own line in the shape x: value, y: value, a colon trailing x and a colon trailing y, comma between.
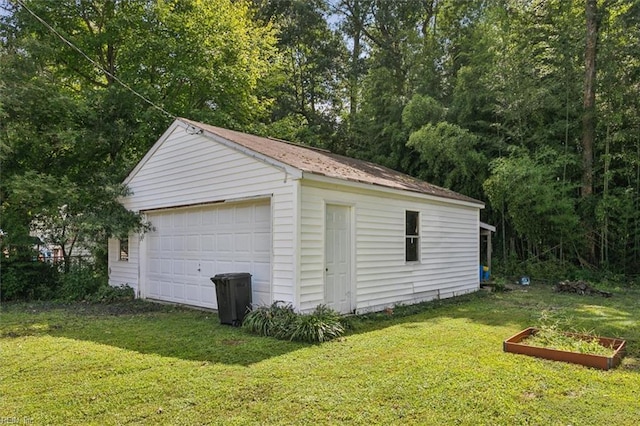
x: 95, y: 64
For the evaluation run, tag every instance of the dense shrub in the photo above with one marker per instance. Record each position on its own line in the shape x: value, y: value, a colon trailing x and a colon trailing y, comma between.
x: 79, y: 282
x: 28, y: 280
x: 110, y: 294
x: 280, y: 321
x: 551, y: 271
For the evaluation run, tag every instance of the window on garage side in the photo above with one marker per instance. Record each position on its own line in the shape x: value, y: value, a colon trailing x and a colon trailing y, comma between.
x: 124, y: 249
x: 412, y: 236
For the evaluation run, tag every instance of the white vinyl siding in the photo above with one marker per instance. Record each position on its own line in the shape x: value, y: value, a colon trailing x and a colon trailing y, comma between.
x: 120, y: 271
x: 185, y: 169
x: 448, y: 248
x: 188, y: 169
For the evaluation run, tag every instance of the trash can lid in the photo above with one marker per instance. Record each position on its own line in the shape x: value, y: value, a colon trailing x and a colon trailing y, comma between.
x: 230, y: 276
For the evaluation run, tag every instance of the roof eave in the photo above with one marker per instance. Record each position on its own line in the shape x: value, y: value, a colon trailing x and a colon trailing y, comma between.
x: 315, y: 177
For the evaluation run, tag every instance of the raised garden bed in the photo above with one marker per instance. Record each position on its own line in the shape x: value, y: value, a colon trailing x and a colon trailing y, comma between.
x: 517, y: 344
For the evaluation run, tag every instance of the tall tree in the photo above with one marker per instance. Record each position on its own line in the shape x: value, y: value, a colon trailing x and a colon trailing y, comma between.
x: 310, y: 91
x: 589, y: 98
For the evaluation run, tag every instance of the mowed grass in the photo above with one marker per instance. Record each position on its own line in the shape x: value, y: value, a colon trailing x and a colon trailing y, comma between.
x: 142, y: 363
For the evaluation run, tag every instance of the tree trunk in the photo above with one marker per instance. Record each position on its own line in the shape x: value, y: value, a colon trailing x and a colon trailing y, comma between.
x: 355, y: 62
x: 589, y: 112
x: 588, y: 118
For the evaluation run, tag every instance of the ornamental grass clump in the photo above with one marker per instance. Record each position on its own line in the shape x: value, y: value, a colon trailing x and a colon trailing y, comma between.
x: 280, y: 321
x: 269, y: 320
x: 322, y: 325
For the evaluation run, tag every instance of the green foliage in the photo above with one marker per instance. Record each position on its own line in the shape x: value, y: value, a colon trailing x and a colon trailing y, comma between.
x: 548, y: 270
x: 272, y: 320
x: 547, y: 337
x: 451, y: 157
x: 106, y: 293
x: 307, y: 82
x: 68, y: 214
x: 499, y: 284
x: 322, y: 325
x: 80, y: 282
x: 26, y: 279
x: 552, y: 334
x: 422, y: 110
x: 536, y: 200
x: 30, y: 280
x: 280, y: 321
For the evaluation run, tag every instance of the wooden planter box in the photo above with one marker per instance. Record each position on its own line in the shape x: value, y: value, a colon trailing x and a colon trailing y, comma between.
x: 513, y: 345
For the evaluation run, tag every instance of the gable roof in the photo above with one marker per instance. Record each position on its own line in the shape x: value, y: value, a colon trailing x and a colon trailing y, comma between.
x: 325, y: 163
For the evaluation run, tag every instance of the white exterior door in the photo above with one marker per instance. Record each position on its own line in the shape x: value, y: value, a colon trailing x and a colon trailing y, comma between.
x: 337, y: 289
x: 190, y: 245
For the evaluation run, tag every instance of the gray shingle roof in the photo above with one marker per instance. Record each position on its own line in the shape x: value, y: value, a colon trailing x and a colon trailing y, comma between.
x: 325, y: 163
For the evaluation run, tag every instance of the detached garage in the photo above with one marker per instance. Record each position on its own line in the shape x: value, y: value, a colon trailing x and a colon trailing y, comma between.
x: 310, y: 226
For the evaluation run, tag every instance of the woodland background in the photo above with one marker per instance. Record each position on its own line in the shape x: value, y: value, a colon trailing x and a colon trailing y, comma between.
x: 530, y: 106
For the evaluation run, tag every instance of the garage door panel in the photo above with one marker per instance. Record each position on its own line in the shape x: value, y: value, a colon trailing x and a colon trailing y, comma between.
x: 166, y: 243
x: 209, y: 217
x: 224, y: 243
x: 189, y: 246
x: 193, y: 243
x: 191, y: 293
x: 208, y: 295
x: 194, y: 220
x: 178, y: 220
x: 225, y: 216
x: 178, y: 267
x: 207, y: 268
x: 242, y: 243
x: 224, y: 265
x: 263, y: 215
x: 239, y: 266
x: 192, y: 268
x: 262, y: 242
x: 178, y: 291
x: 207, y: 243
x: 165, y: 289
x: 243, y: 216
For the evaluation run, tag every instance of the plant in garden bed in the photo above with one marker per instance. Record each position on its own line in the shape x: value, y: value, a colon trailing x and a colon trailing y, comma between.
x: 270, y: 320
x: 550, y: 338
x: 551, y: 335
x: 322, y: 325
x: 280, y: 321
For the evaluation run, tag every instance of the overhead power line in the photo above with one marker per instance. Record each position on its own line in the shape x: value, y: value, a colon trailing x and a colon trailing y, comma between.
x: 94, y: 63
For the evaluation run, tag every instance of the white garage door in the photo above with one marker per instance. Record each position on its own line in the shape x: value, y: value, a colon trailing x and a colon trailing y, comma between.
x: 191, y: 245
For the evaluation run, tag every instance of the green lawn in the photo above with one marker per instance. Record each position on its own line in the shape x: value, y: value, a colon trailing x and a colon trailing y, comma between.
x: 140, y: 363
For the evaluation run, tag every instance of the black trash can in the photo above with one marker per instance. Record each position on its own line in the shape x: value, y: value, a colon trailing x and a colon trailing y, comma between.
x: 233, y: 291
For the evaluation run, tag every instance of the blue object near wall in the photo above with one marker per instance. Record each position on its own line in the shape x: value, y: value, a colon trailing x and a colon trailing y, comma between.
x: 485, y: 274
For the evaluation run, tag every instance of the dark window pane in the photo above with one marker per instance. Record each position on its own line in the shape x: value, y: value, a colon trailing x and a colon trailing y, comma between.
x: 411, y: 249
x: 124, y: 249
x: 412, y: 223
